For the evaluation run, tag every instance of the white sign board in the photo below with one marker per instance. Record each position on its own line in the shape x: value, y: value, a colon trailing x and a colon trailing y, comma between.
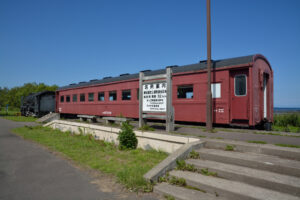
x: 216, y: 90
x: 155, y: 97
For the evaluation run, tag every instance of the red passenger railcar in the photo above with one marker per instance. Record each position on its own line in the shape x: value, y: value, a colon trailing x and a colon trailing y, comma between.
x: 242, y: 91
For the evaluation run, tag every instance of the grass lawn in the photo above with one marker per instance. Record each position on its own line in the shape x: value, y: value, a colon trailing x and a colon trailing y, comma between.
x: 292, y: 129
x: 128, y: 166
x: 19, y: 118
x: 12, y: 114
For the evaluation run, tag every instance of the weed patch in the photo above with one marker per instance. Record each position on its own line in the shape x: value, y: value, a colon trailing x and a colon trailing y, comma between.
x: 177, y: 181
x: 146, y: 128
x: 257, y: 142
x: 229, y: 148
x: 288, y: 145
x: 181, y: 165
x: 208, y: 173
x: 169, y: 197
x: 194, y: 155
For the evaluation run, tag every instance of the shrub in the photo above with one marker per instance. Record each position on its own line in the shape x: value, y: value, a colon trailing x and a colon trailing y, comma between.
x: 127, y: 137
x: 284, y: 120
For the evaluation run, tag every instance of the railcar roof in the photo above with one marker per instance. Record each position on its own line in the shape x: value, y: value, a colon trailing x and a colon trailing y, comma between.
x: 184, y: 68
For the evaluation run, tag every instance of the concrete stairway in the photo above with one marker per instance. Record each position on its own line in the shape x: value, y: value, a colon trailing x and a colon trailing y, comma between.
x: 247, y: 173
x: 49, y: 117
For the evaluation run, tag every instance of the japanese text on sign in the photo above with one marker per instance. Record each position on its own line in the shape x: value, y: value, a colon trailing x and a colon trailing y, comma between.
x: 155, y: 97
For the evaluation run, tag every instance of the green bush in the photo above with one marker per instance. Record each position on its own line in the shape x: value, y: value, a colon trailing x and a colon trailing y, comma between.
x: 284, y: 120
x: 127, y: 137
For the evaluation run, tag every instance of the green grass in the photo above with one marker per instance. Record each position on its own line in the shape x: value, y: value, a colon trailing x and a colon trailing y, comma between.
x: 194, y: 155
x: 288, y: 145
x: 205, y: 172
x: 10, y: 112
x: 229, y: 148
x: 289, y: 122
x: 169, y: 197
x: 128, y: 166
x: 278, y: 134
x: 257, y: 142
x: 146, y: 128
x: 20, y: 118
x: 288, y: 128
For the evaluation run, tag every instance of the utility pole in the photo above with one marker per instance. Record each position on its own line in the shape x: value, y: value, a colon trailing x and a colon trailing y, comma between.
x: 208, y: 94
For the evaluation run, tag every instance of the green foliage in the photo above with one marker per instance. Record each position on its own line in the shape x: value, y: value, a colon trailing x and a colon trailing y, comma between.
x: 127, y: 137
x: 288, y: 145
x: 128, y: 166
x: 194, y: 155
x: 284, y: 120
x: 229, y: 148
x: 257, y: 142
x: 13, y: 96
x: 20, y: 118
x: 208, y: 173
x: 146, y: 128
x: 177, y: 181
x: 181, y: 165
x: 169, y: 197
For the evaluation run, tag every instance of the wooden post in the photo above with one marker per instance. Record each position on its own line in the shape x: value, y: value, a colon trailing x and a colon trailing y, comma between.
x: 169, y: 113
x: 141, y: 120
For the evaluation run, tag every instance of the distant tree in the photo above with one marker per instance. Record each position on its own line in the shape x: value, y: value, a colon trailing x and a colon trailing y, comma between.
x: 14, y: 95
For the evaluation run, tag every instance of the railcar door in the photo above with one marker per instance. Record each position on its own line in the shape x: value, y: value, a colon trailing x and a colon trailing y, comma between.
x: 239, y: 96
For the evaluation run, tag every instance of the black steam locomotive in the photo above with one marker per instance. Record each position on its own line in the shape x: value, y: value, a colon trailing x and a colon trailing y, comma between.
x: 38, y: 104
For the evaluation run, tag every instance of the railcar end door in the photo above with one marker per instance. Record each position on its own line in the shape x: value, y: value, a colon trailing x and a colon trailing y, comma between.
x: 239, y: 95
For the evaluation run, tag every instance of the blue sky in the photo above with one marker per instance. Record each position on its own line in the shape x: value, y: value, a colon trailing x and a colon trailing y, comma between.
x: 63, y: 41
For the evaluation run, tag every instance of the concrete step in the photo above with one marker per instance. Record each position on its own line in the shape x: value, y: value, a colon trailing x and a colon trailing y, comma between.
x: 49, y: 117
x: 283, y: 152
x: 265, y: 179
x: 182, y: 193
x: 230, y: 189
x: 253, y: 160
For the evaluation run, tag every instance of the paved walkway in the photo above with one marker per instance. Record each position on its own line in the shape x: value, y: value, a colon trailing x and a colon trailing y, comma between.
x: 29, y: 171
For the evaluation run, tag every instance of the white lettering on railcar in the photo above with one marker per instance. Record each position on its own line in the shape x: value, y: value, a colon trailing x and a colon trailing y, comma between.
x: 106, y: 112
x: 219, y: 110
x: 155, y: 97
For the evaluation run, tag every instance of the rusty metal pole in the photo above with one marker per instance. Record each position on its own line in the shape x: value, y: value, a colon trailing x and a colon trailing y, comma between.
x: 208, y: 94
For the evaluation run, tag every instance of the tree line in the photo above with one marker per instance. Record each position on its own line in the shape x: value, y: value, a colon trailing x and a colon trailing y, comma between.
x: 13, y: 96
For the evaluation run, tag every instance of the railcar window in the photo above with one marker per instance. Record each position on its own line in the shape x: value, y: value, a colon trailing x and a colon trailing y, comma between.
x: 62, y: 98
x: 185, y: 92
x: 113, y: 95
x: 100, y: 96
x: 138, y: 94
x: 240, y: 85
x: 82, y: 97
x: 74, y: 97
x: 91, y: 96
x: 126, y: 95
x: 68, y: 98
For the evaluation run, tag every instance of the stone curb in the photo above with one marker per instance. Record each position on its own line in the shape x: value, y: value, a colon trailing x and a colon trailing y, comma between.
x: 170, y: 162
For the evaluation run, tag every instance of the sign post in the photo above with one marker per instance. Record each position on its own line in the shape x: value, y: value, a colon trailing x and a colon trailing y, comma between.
x: 155, y: 98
